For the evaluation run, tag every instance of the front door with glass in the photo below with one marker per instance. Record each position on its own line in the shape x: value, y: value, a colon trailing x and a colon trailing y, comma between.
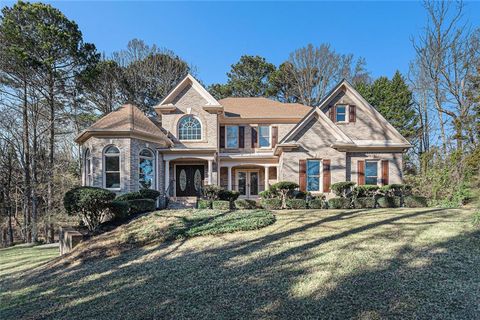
x: 247, y: 183
x: 189, y: 180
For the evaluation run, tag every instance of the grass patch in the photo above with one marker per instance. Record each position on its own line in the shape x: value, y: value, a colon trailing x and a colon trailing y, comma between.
x: 210, y: 223
x: 362, y: 264
x: 24, y: 257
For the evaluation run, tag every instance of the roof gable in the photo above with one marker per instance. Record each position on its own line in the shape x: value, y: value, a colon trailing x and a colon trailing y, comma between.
x: 321, y: 117
x: 189, y: 80
x: 371, y: 112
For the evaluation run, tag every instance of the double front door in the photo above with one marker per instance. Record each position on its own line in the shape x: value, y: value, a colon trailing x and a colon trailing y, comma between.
x: 189, y: 180
x: 247, y: 182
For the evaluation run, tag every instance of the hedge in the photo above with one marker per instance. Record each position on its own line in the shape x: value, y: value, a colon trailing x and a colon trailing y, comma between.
x: 119, y: 210
x: 415, y: 202
x: 296, y: 204
x: 140, y: 205
x: 245, y: 204
x: 271, y: 204
x: 339, y: 203
x: 364, y: 203
x: 389, y: 202
x: 204, y: 204
x: 317, y: 204
x: 142, y: 194
x: 221, y: 205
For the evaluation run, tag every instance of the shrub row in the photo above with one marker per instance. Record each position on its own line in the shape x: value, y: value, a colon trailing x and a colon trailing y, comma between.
x: 381, y: 202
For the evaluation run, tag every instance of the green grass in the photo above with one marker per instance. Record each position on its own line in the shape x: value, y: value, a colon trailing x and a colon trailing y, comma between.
x: 16, y: 259
x: 309, y: 264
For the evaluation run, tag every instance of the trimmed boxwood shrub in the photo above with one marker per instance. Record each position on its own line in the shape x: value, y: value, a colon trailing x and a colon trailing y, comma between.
x: 204, y: 204
x: 317, y: 204
x: 389, y: 202
x: 342, y: 189
x: 149, y: 194
x: 228, y: 195
x: 415, y: 202
x: 271, y: 204
x: 90, y: 203
x: 339, y: 203
x: 296, y: 204
x: 364, y: 203
x: 142, y: 194
x: 140, y: 205
x: 221, y: 205
x: 245, y: 204
x: 119, y: 210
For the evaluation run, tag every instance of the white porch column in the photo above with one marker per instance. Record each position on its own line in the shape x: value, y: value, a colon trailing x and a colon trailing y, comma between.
x: 266, y: 177
x: 167, y: 175
x: 229, y: 178
x: 210, y: 171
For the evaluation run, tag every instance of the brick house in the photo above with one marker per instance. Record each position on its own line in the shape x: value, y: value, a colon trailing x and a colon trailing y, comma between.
x: 243, y: 144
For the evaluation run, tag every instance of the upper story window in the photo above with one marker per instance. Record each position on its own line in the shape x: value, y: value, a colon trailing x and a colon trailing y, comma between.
x: 88, y: 168
x: 341, y: 113
x: 264, y: 136
x: 371, y: 172
x: 189, y: 128
x: 146, y: 170
x: 313, y: 175
x: 111, y: 157
x: 232, y: 136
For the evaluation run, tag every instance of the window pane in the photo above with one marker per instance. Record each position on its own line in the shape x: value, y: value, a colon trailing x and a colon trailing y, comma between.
x: 232, y: 137
x: 189, y: 128
x: 313, y: 167
x: 371, y: 168
x: 242, y: 183
x: 313, y: 183
x: 341, y: 111
x: 112, y: 180
x: 112, y: 149
x: 146, y: 153
x: 146, y: 172
x: 371, y: 172
x: 253, y: 183
x: 264, y: 136
x: 112, y: 163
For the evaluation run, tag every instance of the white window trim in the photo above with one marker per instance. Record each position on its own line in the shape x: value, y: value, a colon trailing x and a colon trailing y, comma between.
x: 190, y: 140
x: 154, y: 161
x: 347, y: 114
x: 320, y: 176
x: 88, y: 165
x: 269, y: 137
x: 226, y: 137
x: 104, y: 155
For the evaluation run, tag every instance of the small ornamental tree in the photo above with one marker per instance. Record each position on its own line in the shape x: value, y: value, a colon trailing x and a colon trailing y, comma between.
x: 343, y: 189
x: 285, y: 190
x: 90, y: 203
x: 211, y: 192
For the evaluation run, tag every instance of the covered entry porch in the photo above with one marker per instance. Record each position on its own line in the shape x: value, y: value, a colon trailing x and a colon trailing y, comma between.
x: 248, y: 178
x: 186, y: 173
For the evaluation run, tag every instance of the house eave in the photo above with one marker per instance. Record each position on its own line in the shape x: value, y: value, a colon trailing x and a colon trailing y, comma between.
x: 85, y: 135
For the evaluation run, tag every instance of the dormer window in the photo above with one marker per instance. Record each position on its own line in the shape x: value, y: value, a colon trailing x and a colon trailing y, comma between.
x: 341, y: 113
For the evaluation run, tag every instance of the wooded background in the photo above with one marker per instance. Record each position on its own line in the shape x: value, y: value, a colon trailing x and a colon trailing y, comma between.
x: 53, y: 85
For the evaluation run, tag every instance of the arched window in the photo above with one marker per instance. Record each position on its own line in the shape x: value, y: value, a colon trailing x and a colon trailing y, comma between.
x: 88, y: 168
x: 189, y: 128
x: 111, y: 157
x: 146, y: 169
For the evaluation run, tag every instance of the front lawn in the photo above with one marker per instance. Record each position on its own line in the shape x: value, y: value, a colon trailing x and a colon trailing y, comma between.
x: 366, y: 264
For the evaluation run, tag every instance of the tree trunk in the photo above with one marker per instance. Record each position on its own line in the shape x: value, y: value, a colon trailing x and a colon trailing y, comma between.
x: 30, y: 224
x: 51, y: 159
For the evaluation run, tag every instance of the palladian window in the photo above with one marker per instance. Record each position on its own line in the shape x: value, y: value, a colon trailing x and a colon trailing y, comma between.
x: 112, y: 167
x: 189, y: 128
x: 146, y: 170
